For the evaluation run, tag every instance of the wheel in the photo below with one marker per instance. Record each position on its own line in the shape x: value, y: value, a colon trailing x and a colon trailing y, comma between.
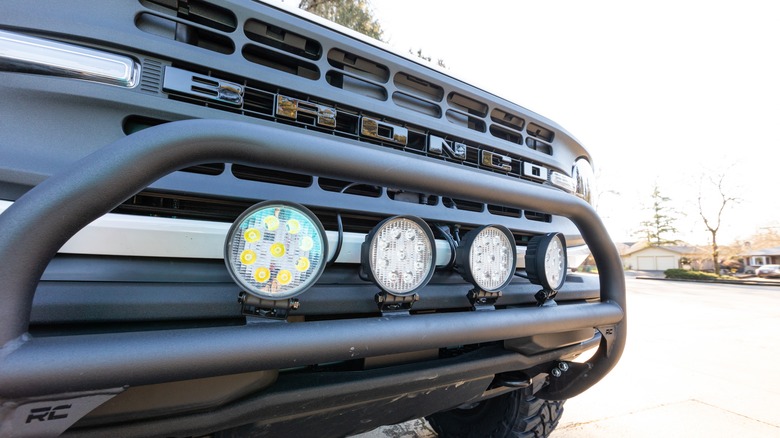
x: 510, y: 415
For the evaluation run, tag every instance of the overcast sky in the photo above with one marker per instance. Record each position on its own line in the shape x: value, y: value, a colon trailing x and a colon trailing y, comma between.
x: 659, y: 92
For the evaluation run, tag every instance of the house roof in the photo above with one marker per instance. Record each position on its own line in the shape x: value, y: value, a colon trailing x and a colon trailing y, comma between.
x: 775, y: 251
x: 679, y: 249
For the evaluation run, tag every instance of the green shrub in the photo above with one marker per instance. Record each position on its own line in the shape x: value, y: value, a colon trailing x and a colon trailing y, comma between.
x: 683, y: 274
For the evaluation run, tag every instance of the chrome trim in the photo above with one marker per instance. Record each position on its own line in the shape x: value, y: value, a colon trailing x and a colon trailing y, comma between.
x: 23, y: 54
x: 534, y: 171
x: 562, y: 181
x: 207, y: 87
x: 584, y: 179
x: 141, y: 236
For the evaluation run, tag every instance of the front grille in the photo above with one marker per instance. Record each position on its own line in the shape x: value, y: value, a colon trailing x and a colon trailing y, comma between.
x: 202, y: 24
x: 300, y: 53
x: 263, y: 101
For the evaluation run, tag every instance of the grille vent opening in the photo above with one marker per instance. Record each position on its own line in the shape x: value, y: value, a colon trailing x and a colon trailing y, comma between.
x: 509, y: 120
x: 335, y: 185
x: 460, y: 204
x: 504, y: 211
x: 347, y: 123
x: 204, y: 208
x: 133, y: 124
x: 281, y: 62
x: 258, y: 102
x: 467, y: 105
x: 282, y: 39
x: 418, y: 87
x: 537, y: 216
x: 540, y: 132
x: 204, y: 102
x: 540, y: 138
x: 539, y: 145
x: 506, y: 134
x: 196, y: 11
x: 358, y: 66
x: 352, y: 222
x: 271, y: 176
x: 412, y: 197
x: 415, y: 104
x: 207, y: 169
x: 465, y: 120
x: 180, y: 206
x: 185, y: 33
x: 417, y: 141
x: 355, y: 85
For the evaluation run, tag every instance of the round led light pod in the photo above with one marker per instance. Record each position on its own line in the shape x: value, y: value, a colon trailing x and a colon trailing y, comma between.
x: 487, y: 257
x: 276, y: 250
x: 545, y: 261
x: 399, y: 255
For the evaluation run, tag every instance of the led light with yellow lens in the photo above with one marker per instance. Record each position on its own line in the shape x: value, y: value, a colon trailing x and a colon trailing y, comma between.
x: 248, y: 257
x: 276, y: 250
x: 293, y: 226
x: 303, y: 264
x: 262, y: 275
x: 271, y: 223
x: 252, y: 235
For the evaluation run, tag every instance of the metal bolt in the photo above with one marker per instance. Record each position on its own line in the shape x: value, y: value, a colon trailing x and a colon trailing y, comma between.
x: 563, y: 366
x: 556, y: 372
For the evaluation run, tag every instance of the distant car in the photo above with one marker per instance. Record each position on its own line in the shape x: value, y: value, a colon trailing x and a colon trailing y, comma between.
x: 768, y: 271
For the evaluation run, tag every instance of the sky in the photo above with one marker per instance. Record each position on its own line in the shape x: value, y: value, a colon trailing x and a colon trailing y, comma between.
x: 667, y: 93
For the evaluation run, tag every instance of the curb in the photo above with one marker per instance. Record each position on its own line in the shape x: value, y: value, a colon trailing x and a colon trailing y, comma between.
x: 740, y: 282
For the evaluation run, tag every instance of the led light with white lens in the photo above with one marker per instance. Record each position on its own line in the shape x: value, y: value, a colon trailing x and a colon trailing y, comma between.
x: 545, y: 261
x: 487, y: 257
x: 399, y: 255
x: 276, y: 250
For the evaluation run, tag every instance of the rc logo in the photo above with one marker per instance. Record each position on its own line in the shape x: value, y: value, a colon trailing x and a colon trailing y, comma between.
x: 48, y: 413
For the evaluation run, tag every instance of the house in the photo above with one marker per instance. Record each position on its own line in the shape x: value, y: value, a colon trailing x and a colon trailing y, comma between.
x: 752, y: 259
x: 644, y: 257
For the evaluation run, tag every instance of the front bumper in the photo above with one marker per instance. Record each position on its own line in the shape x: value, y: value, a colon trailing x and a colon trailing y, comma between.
x: 41, y: 222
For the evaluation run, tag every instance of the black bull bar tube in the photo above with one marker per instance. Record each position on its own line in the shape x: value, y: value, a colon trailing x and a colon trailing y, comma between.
x: 36, y: 226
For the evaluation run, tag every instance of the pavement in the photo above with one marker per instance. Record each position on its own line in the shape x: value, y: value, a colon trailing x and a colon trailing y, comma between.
x: 701, y: 361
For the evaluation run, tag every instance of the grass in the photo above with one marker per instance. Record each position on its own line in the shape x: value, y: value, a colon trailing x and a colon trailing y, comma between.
x: 684, y: 274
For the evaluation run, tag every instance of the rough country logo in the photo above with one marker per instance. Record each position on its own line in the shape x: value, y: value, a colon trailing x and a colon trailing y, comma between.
x: 47, y: 413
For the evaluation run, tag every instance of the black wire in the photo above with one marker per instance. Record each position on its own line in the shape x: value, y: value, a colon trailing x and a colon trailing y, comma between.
x: 340, y: 225
x: 339, y: 242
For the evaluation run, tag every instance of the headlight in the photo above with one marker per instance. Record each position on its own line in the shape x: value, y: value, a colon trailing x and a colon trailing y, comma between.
x: 487, y: 257
x: 399, y: 255
x: 276, y: 250
x: 584, y: 179
x: 545, y: 261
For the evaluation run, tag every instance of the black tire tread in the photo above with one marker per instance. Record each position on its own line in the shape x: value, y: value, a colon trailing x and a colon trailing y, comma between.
x: 507, y: 416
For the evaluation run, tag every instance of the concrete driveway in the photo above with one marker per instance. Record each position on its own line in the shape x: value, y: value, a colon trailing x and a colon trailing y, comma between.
x: 702, y: 360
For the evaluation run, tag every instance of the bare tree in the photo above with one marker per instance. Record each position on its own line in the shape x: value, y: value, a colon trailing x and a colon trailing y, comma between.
x: 713, y: 221
x: 419, y: 53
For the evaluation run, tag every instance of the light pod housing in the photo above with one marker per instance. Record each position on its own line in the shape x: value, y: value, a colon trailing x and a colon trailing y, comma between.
x: 399, y: 255
x: 276, y: 250
x: 545, y: 261
x: 487, y: 257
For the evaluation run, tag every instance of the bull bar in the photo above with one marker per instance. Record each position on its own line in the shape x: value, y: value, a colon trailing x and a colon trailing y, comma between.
x: 41, y: 221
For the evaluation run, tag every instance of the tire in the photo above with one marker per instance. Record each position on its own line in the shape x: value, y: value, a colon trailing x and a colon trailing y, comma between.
x: 510, y: 415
